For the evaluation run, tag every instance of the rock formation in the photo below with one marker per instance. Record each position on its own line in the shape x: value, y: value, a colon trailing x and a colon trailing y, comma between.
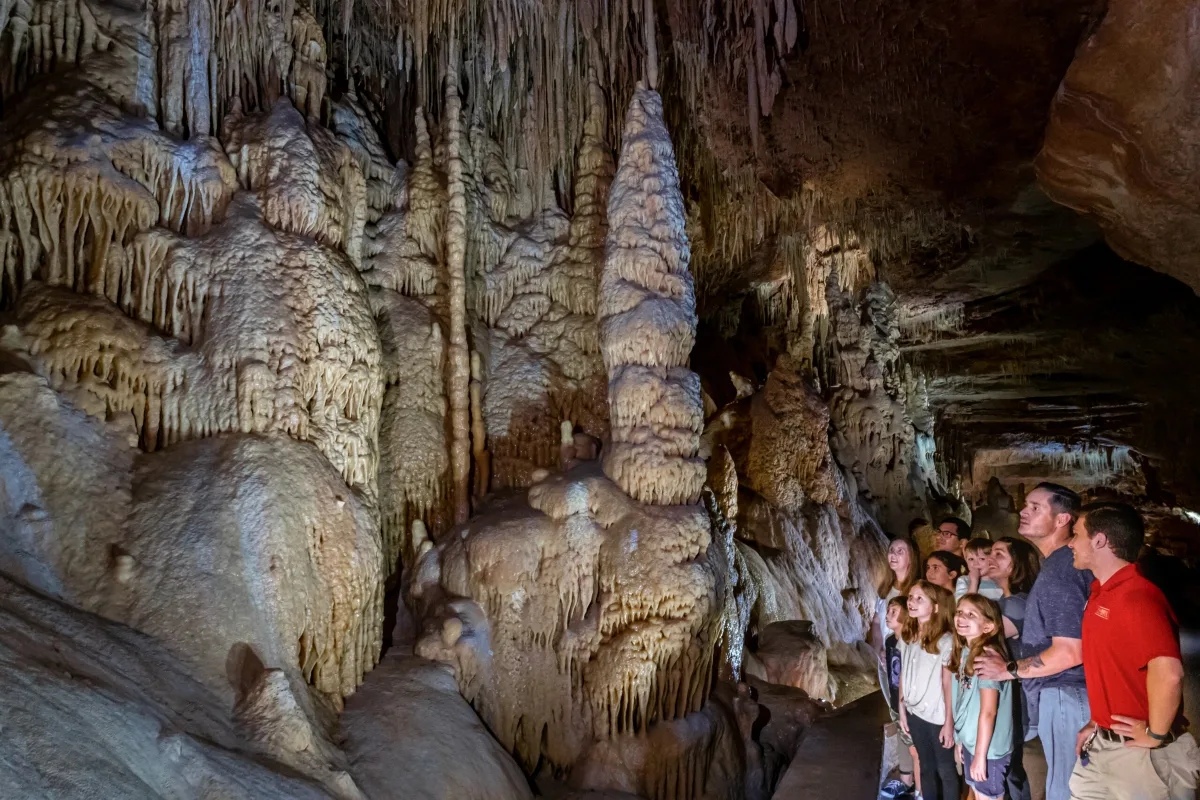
x: 1121, y: 145
x: 647, y: 321
x: 587, y: 618
x: 494, y: 400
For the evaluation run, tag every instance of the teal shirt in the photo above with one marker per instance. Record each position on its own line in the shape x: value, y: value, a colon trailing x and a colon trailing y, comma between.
x: 965, y: 696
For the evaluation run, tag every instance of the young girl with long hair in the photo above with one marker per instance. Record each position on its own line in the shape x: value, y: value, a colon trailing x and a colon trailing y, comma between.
x: 983, y: 710
x: 904, y: 568
x: 925, y: 687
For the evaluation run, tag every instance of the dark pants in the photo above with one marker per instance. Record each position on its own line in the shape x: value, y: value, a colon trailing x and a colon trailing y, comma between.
x: 1017, y: 782
x: 939, y: 775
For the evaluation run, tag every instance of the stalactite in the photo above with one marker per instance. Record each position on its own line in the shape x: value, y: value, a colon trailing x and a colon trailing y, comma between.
x: 458, y: 384
x: 650, y: 35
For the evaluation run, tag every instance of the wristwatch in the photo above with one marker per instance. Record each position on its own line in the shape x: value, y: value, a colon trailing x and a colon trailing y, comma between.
x: 1011, y: 666
x: 1163, y: 739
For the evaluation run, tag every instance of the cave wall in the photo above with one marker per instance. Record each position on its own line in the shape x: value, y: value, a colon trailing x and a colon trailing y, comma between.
x: 296, y: 313
x: 1121, y: 144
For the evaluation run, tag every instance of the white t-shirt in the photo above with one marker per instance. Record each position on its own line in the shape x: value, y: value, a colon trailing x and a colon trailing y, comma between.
x: 921, y: 676
x: 881, y: 605
x: 987, y: 587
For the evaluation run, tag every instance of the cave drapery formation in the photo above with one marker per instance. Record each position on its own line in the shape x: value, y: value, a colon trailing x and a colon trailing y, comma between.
x: 572, y: 358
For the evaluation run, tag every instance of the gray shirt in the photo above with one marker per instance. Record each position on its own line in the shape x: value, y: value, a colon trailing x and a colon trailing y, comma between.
x: 1013, y: 607
x: 1055, y: 609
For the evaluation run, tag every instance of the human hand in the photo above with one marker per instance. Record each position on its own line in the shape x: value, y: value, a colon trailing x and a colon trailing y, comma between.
x: 1084, y: 734
x: 1138, y: 731
x: 979, y: 767
x: 946, y: 737
x: 904, y: 719
x: 990, y: 666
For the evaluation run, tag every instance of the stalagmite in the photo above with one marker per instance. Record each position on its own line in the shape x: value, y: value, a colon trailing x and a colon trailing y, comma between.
x: 459, y: 374
x: 647, y: 317
x: 413, y: 457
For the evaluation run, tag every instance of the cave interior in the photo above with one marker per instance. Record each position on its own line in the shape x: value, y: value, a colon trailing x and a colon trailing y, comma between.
x: 492, y: 399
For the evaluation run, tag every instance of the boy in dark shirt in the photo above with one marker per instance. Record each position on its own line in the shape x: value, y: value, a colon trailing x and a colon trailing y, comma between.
x: 897, y: 613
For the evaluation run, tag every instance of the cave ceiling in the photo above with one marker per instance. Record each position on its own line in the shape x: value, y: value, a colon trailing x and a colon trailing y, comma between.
x: 914, y: 129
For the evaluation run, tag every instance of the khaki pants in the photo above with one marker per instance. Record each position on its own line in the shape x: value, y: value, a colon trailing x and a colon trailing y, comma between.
x: 1117, y: 772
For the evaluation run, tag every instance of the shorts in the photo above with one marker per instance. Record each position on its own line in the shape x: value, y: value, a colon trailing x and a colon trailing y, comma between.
x: 905, y: 739
x: 997, y: 774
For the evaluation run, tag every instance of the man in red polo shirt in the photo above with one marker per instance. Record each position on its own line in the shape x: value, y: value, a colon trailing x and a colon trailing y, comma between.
x: 1136, y: 746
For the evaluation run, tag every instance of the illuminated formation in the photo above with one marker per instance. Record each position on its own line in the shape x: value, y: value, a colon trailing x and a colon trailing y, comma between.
x: 485, y: 400
x: 592, y: 616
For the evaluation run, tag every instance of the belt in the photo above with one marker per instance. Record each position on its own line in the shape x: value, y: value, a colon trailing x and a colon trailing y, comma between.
x: 1109, y: 735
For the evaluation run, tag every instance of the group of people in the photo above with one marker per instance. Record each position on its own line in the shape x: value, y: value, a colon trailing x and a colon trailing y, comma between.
x: 1054, y: 634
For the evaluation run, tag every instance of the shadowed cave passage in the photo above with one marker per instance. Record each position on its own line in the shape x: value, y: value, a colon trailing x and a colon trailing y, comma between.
x: 480, y: 400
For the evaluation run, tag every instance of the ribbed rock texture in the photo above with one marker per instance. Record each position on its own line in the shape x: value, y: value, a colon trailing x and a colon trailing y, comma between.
x: 648, y: 320
x: 583, y: 622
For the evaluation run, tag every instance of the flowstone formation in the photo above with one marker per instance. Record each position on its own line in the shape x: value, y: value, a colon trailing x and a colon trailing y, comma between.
x: 537, y: 293
x: 318, y: 316
x: 808, y: 547
x: 190, y: 390
x: 582, y: 626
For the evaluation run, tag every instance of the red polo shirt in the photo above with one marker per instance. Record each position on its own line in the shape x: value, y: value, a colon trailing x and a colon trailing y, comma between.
x: 1127, y: 623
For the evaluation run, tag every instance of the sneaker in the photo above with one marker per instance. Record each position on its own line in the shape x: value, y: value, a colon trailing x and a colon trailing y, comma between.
x: 894, y: 790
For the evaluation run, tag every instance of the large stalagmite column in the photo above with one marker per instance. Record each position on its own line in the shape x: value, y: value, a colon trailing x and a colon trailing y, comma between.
x: 647, y: 313
x: 456, y: 248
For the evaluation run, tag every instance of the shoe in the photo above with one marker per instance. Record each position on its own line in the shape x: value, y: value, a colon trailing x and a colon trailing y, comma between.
x: 895, y: 790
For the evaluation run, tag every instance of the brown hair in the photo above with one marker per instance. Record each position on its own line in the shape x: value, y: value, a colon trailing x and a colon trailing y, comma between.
x: 949, y: 560
x: 1026, y: 564
x: 887, y: 581
x: 1062, y: 499
x: 979, y: 545
x: 941, y: 623
x: 1121, y: 523
x: 990, y: 611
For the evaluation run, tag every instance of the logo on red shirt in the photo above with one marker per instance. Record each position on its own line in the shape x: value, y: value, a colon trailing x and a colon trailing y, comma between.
x: 1102, y: 612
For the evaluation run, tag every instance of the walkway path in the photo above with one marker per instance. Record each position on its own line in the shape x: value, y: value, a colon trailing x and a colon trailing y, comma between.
x: 840, y: 756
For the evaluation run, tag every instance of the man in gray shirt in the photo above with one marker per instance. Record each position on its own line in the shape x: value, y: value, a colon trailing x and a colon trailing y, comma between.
x: 1050, y: 667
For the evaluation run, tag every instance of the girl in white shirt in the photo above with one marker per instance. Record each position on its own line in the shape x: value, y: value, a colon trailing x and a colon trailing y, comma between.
x: 925, y: 687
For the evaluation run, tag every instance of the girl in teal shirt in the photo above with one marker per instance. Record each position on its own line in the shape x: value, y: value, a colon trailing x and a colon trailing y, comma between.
x: 983, y: 710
